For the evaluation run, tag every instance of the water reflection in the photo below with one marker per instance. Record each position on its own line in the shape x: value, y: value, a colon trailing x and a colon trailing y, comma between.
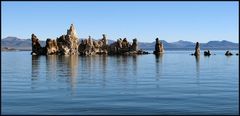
x: 35, y: 71
x: 102, y: 65
x: 159, y: 60
x: 35, y: 67
x: 64, y: 67
x: 51, y: 66
x: 67, y: 66
x: 134, y: 64
x: 159, y: 67
x: 197, y: 58
x: 122, y: 66
x: 86, y: 68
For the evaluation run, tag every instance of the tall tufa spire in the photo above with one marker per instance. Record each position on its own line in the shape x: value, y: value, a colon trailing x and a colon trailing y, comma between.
x: 72, y: 32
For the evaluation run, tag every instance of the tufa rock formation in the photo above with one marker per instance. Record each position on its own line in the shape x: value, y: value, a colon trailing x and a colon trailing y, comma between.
x: 91, y: 47
x: 207, y: 53
x: 69, y: 45
x: 197, y: 50
x: 158, y: 47
x: 134, y: 46
x: 124, y: 47
x: 36, y: 47
x: 51, y: 47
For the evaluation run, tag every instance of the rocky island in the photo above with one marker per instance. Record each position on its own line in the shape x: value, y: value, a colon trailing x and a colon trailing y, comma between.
x: 69, y: 44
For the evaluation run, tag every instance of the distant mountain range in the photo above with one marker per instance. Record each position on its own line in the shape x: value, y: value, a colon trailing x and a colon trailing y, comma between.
x: 17, y: 43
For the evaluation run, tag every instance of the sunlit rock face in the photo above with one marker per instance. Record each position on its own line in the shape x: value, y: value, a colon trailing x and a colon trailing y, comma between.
x: 119, y: 47
x: 91, y: 47
x: 72, y: 32
x: 197, y: 49
x: 68, y: 44
x: 158, y: 47
x: 124, y: 47
x: 51, y: 47
x: 36, y: 47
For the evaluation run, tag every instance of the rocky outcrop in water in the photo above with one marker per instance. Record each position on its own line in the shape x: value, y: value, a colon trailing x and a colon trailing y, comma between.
x: 228, y: 53
x: 124, y: 47
x: 68, y: 44
x: 51, y: 47
x: 207, y: 53
x: 36, y: 47
x: 158, y: 47
x: 197, y: 50
x: 91, y: 47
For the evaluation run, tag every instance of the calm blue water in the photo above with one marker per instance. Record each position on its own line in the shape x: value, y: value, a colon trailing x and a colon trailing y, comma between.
x: 175, y: 83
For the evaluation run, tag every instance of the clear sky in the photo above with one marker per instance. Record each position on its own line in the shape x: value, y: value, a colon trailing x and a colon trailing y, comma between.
x: 170, y: 21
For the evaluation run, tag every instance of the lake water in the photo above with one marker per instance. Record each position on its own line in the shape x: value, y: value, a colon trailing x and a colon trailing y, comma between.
x: 174, y: 83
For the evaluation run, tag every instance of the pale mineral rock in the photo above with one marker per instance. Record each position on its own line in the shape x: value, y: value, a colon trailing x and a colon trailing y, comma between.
x: 124, y: 47
x: 69, y: 45
x: 51, y: 47
x: 197, y: 49
x: 91, y: 47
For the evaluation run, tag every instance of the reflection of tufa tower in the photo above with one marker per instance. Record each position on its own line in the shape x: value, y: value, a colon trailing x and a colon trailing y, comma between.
x: 158, y: 47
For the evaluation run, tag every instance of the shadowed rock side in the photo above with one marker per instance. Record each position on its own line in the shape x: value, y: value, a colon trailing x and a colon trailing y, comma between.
x: 158, y: 47
x: 36, y: 47
x: 228, y: 53
x: 197, y: 50
x: 207, y: 53
x: 69, y: 45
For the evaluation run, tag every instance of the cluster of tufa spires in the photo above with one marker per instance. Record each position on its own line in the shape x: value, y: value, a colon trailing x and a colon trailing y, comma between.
x: 69, y: 44
x: 207, y: 52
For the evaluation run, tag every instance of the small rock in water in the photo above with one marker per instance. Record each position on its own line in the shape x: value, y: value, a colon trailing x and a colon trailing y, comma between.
x: 207, y: 53
x: 228, y: 53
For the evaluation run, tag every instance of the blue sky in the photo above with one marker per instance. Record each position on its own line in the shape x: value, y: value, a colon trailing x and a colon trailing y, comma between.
x: 170, y: 21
